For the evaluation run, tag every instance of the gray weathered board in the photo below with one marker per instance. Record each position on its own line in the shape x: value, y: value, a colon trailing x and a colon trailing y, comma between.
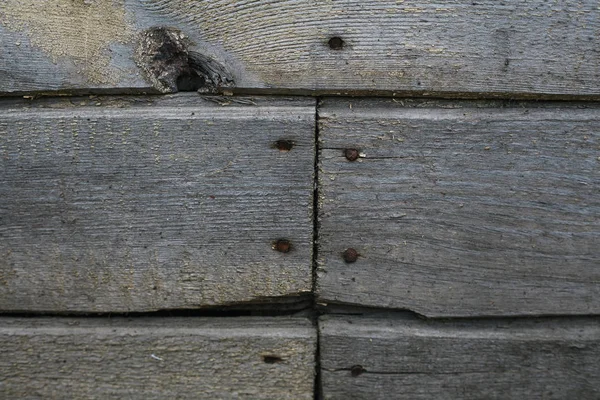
x: 389, y: 357
x: 149, y: 203
x: 461, y: 208
x: 431, y: 46
x: 166, y: 358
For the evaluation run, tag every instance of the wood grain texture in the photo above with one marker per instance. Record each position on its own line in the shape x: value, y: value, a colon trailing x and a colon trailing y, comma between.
x: 404, y: 358
x: 461, y: 208
x: 432, y: 46
x: 147, y: 203
x: 191, y: 358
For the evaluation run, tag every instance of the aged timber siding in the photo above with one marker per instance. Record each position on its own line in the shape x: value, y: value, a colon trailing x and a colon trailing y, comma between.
x: 440, y: 241
x: 462, y: 47
x: 148, y: 203
x: 461, y: 208
x: 149, y: 358
x: 391, y: 356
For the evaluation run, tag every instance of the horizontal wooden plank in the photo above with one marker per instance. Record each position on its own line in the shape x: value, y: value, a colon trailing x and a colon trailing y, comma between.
x: 461, y: 208
x: 191, y: 358
x: 148, y: 203
x: 389, y: 357
x: 433, y: 46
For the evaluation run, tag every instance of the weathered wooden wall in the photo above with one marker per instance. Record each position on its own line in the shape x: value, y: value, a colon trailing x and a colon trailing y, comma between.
x: 141, y: 204
x: 461, y: 208
x: 390, y: 356
x: 357, y: 208
x: 190, y: 358
x: 462, y: 47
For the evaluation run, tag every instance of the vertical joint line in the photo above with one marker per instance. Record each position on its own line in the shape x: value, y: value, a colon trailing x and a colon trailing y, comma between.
x: 315, y: 213
x: 315, y: 251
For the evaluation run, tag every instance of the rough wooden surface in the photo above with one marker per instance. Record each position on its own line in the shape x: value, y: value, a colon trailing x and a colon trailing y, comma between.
x: 432, y: 46
x: 387, y: 357
x: 191, y: 358
x: 147, y: 203
x: 461, y: 208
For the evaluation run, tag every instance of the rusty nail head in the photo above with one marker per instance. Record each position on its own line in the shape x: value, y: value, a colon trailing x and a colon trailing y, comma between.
x: 357, y: 370
x: 350, y: 255
x: 336, y: 43
x: 284, y: 145
x: 271, y: 359
x: 351, y: 154
x: 282, y: 245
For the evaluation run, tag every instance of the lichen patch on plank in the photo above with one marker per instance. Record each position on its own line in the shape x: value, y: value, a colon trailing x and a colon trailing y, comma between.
x: 79, y: 30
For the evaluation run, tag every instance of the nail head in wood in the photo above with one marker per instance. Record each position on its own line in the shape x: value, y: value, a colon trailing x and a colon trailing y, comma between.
x: 351, y: 154
x: 357, y: 370
x: 350, y: 255
x: 336, y: 43
x: 284, y: 145
x: 282, y: 246
x: 271, y: 359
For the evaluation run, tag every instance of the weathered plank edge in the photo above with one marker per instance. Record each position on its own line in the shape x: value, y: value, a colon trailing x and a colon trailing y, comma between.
x: 334, y: 93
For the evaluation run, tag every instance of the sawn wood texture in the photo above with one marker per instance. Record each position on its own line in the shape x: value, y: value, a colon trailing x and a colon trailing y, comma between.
x: 460, y: 209
x: 390, y: 357
x: 150, y: 203
x: 515, y: 48
x: 166, y: 358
